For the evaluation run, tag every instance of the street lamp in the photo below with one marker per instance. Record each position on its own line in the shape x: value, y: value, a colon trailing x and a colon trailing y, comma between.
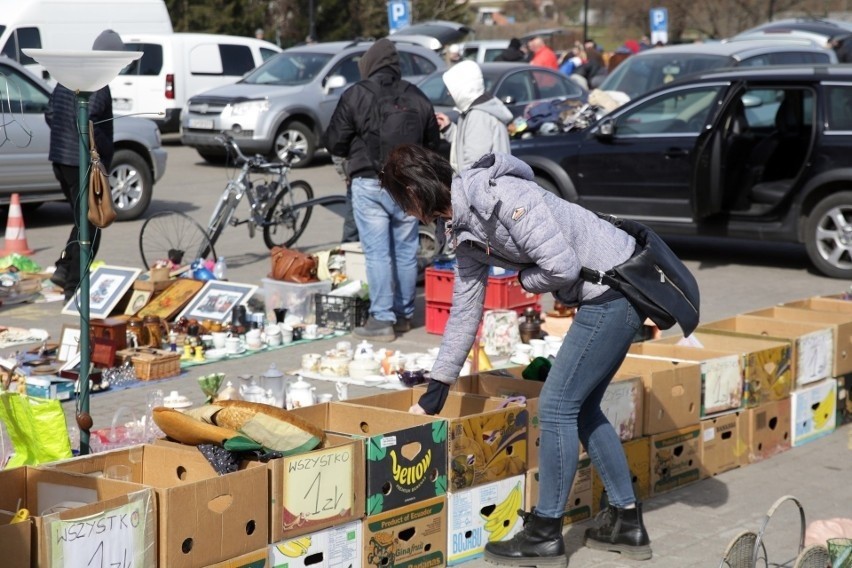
x: 83, y: 72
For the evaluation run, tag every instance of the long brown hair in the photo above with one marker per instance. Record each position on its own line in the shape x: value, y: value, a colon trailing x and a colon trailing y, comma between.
x: 418, y: 179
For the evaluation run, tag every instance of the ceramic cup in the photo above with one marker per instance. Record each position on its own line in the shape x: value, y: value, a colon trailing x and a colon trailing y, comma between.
x: 552, y: 344
x: 310, y: 361
x: 521, y: 354
x: 253, y: 339
x: 286, y: 333
x: 310, y: 331
x: 273, y: 335
x: 219, y: 338
x: 325, y: 397
x: 539, y: 348
x: 342, y: 390
x: 232, y: 345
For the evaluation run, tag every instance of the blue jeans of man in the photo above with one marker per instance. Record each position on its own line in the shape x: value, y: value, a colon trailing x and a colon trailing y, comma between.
x: 389, y: 240
x: 570, y: 406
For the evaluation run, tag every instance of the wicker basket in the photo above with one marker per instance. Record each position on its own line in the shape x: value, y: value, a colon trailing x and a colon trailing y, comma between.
x: 151, y: 364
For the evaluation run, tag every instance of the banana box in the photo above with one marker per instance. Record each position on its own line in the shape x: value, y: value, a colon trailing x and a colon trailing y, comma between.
x: 767, y: 429
x: 622, y: 405
x: 638, y: 454
x: 723, y: 444
x: 675, y: 459
x: 481, y: 514
x: 487, y: 436
x: 844, y: 400
x: 335, y: 547
x: 672, y: 397
x: 256, y: 559
x: 767, y: 371
x: 814, y: 411
x: 579, y: 505
x: 411, y: 536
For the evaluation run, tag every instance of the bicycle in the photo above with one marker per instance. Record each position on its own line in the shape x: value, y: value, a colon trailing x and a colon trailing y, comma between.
x: 280, y: 207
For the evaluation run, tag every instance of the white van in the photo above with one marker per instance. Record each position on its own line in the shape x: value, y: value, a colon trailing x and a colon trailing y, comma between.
x: 73, y: 24
x: 173, y: 67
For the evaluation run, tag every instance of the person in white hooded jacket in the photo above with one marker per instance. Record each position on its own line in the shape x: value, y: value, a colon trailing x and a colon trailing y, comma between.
x: 481, y: 126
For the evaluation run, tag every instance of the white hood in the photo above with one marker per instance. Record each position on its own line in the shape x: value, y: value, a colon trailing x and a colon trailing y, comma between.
x: 465, y: 84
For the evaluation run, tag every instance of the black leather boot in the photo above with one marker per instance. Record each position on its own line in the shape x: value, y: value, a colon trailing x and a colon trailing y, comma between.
x: 538, y: 545
x: 622, y: 530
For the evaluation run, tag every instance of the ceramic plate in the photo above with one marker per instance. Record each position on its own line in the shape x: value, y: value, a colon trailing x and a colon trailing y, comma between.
x: 373, y: 379
x: 240, y: 351
x: 214, y: 354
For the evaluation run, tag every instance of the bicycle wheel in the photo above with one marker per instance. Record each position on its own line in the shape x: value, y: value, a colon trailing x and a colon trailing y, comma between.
x: 221, y: 216
x: 174, y: 236
x: 286, y: 220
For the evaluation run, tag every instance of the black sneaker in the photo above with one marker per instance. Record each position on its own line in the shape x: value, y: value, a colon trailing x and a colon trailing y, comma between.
x: 402, y: 325
x: 59, y: 276
x: 375, y: 329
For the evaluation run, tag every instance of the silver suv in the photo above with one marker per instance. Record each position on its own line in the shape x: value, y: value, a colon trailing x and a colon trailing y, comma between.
x: 288, y: 101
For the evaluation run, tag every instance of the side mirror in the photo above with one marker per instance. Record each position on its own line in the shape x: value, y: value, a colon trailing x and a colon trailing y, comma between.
x: 751, y: 101
x: 606, y: 128
x: 334, y: 82
x: 509, y: 100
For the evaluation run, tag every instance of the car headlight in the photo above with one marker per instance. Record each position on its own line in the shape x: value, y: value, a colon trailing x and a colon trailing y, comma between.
x: 248, y: 108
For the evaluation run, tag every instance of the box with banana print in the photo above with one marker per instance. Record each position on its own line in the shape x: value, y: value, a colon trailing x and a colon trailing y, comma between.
x: 339, y: 546
x: 813, y: 411
x: 486, y: 513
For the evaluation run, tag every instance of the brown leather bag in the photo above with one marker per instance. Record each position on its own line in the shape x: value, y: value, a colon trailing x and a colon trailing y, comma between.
x: 293, y: 266
x: 101, y: 210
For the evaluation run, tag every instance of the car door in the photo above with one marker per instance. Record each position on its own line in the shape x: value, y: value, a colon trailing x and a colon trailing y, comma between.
x: 25, y: 136
x: 516, y: 90
x: 141, y: 86
x: 637, y: 162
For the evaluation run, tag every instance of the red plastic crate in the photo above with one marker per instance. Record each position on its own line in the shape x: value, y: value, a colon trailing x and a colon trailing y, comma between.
x: 438, y: 313
x: 503, y: 292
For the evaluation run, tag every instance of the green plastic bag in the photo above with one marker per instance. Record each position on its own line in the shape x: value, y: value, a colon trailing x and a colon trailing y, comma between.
x: 36, y: 427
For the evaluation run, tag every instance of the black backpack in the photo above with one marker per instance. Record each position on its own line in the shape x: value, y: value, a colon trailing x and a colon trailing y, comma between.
x: 399, y: 120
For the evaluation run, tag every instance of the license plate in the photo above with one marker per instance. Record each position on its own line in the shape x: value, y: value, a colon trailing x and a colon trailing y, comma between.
x: 122, y: 104
x: 205, y: 123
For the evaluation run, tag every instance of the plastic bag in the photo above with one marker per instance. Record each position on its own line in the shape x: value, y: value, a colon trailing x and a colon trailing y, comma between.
x: 36, y: 427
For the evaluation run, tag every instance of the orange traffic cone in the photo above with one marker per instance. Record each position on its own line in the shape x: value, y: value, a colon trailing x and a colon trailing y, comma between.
x: 16, y: 239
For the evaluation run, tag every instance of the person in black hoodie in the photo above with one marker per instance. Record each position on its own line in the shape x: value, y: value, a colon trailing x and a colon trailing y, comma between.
x: 388, y: 236
x: 513, y: 53
x: 65, y: 140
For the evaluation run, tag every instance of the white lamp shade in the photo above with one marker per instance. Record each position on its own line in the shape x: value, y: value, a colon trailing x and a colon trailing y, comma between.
x: 85, y: 71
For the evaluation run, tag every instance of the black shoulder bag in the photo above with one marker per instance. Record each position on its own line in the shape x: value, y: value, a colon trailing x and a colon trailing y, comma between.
x: 654, y: 279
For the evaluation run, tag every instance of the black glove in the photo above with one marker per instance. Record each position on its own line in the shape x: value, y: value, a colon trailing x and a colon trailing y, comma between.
x: 432, y: 401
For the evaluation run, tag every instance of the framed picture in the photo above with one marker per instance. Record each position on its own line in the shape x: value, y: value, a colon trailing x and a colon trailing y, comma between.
x: 215, y: 301
x: 172, y: 299
x: 107, y: 286
x: 138, y: 299
x: 69, y: 342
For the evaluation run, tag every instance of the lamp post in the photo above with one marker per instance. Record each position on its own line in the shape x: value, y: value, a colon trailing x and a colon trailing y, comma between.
x: 83, y: 72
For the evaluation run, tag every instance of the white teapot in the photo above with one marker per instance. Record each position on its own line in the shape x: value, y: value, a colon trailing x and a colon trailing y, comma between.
x: 300, y: 394
x: 363, y: 350
x: 252, y: 392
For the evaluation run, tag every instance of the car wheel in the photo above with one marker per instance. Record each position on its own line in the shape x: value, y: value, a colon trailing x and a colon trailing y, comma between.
x: 212, y: 157
x: 828, y: 235
x: 295, y: 135
x: 131, y: 184
x: 547, y: 185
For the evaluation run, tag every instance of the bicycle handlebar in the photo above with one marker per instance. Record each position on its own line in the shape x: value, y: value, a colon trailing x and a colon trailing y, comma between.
x: 258, y: 161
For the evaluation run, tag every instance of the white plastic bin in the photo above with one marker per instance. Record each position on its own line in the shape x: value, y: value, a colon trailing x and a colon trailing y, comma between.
x: 297, y: 298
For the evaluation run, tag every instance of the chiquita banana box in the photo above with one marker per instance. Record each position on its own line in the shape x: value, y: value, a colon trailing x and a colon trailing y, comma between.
x: 814, y: 411
x: 486, y: 513
x: 334, y: 547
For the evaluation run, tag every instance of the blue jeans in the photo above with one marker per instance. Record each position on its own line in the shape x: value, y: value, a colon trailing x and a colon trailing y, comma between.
x: 570, y: 406
x: 389, y: 239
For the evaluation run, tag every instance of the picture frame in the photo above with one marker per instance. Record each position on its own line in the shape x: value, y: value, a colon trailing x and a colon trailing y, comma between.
x: 172, y: 299
x: 138, y: 300
x: 216, y: 299
x: 107, y: 286
x: 69, y: 342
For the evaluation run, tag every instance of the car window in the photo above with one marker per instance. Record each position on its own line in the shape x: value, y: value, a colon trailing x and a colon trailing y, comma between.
x: 20, y: 39
x: 756, y: 61
x: 293, y: 68
x: 519, y: 86
x: 641, y: 73
x: 236, y: 59
x: 493, y: 54
x: 681, y: 112
x: 554, y: 85
x: 470, y: 53
x: 348, y: 68
x: 799, y: 57
x: 436, y: 91
x: 151, y: 62
x: 761, y: 105
x: 266, y: 53
x: 838, y: 108
x: 413, y: 64
x: 20, y: 95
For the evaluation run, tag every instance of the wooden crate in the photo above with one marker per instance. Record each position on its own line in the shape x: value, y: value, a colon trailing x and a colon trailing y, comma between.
x: 151, y: 364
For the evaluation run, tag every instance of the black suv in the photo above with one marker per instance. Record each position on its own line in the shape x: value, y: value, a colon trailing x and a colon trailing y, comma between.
x: 748, y: 153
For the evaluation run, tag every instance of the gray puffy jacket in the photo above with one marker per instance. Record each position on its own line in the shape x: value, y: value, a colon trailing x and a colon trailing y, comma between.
x: 502, y: 218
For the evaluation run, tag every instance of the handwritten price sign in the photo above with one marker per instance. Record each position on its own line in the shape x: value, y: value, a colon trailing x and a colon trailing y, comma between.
x: 318, y: 486
x: 112, y: 539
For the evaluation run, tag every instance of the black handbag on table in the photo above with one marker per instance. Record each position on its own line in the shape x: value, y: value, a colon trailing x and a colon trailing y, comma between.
x: 654, y: 279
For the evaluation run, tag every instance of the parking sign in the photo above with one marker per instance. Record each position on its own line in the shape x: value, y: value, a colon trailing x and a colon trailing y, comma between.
x: 399, y: 14
x: 659, y: 25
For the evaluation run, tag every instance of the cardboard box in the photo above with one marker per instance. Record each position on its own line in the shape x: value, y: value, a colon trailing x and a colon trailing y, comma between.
x: 406, y: 454
x: 414, y: 535
x: 767, y: 372
x: 339, y: 546
x: 196, y: 506
x: 124, y: 515
x: 50, y: 386
x: 813, y: 410
x: 579, y: 505
x: 840, y: 322
x: 723, y: 444
x: 256, y: 559
x: 844, y: 400
x: 622, y: 404
x: 317, y: 489
x: 767, y: 429
x: 487, y: 442
x: 638, y: 454
x: 721, y: 373
x: 675, y: 459
x: 356, y: 261
x: 481, y: 514
x: 812, y: 344
x: 672, y: 393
